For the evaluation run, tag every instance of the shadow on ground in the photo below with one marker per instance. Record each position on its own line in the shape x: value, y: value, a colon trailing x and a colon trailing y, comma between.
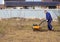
x: 47, y: 30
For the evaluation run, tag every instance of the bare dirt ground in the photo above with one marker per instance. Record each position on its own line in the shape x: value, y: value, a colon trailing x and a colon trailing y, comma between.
x: 20, y: 30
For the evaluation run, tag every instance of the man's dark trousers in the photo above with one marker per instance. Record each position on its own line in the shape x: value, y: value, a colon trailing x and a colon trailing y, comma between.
x: 49, y: 25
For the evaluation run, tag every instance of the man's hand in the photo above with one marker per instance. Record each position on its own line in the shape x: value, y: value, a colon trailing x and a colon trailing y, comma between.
x: 47, y: 20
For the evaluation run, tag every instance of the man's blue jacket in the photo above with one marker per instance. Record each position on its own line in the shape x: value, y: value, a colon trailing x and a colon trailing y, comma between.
x: 48, y: 16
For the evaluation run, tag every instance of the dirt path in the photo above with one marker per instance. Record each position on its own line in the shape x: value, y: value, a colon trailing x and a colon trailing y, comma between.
x: 31, y: 36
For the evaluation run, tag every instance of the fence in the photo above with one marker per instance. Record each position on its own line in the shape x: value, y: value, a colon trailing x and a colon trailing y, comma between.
x: 28, y: 13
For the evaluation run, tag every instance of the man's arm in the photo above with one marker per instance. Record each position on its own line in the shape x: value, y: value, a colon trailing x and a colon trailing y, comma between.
x: 47, y: 17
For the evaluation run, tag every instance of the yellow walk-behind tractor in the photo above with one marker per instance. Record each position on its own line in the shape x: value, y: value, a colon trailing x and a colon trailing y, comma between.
x: 37, y: 26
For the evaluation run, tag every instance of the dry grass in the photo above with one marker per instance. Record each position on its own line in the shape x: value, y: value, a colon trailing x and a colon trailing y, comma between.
x: 20, y: 30
x: 59, y: 19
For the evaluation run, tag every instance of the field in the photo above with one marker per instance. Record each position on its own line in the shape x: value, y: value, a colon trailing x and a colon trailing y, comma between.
x: 20, y: 30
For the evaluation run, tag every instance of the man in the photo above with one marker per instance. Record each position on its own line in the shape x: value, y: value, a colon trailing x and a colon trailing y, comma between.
x: 48, y: 19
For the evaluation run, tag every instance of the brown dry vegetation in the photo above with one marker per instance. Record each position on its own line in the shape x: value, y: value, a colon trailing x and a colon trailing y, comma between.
x: 20, y: 30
